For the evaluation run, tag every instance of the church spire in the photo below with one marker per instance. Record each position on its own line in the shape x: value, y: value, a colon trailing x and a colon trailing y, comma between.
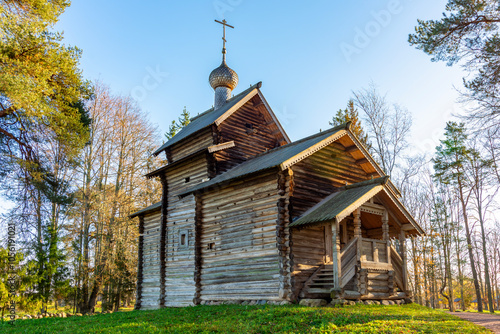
x: 223, y: 79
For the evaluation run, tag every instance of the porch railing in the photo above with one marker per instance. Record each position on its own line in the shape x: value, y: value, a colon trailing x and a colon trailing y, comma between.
x: 374, y: 250
x: 348, y: 260
x: 397, y: 264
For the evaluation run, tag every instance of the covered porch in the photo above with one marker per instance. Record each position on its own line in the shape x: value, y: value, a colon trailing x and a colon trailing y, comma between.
x: 365, y: 228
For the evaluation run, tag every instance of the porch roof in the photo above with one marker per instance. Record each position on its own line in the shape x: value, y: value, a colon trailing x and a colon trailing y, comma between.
x: 341, y: 204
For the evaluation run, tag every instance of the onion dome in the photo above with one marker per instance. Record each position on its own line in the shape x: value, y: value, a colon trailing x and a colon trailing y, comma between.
x: 223, y: 76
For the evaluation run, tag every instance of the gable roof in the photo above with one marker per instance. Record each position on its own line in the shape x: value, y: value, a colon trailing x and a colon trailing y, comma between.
x: 341, y: 204
x: 217, y: 116
x: 283, y: 157
x: 337, y: 206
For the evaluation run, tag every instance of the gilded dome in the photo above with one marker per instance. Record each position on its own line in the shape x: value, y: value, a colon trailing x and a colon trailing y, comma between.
x: 223, y: 76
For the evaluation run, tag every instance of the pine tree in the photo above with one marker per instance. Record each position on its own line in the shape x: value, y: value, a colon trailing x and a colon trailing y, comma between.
x: 468, y: 32
x: 176, y: 126
x: 449, y: 163
x: 40, y: 83
x: 350, y: 114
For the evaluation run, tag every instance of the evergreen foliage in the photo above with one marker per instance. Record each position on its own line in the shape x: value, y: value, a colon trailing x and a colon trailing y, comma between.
x: 468, y: 32
x: 176, y: 126
x: 350, y: 114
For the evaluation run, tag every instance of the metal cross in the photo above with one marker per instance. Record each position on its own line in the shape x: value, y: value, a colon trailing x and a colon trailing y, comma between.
x: 224, y: 25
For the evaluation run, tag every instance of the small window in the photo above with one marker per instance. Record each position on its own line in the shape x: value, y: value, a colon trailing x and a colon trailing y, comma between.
x: 211, y: 245
x: 183, y: 239
x: 187, y: 179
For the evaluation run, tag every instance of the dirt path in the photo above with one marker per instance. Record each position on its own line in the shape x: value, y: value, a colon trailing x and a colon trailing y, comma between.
x: 488, y: 320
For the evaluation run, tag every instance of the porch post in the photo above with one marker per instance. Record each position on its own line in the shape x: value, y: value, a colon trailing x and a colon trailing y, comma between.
x: 336, y: 260
x: 402, y: 243
x: 385, y: 234
x: 357, y: 232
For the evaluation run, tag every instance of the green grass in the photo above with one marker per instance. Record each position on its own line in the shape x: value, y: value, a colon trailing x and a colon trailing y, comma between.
x: 256, y: 319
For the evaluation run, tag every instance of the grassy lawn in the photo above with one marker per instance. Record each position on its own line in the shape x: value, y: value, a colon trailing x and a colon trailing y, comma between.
x: 256, y: 319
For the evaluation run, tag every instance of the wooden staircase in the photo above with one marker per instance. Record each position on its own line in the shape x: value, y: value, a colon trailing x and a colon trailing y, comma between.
x: 320, y: 283
x: 359, y: 279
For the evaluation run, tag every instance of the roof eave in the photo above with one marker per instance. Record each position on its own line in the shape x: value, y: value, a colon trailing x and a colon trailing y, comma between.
x: 312, y: 149
x: 273, y: 116
x: 175, y: 163
x: 405, y: 212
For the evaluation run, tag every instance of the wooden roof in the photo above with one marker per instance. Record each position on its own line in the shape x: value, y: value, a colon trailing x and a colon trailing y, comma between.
x: 217, y: 116
x: 337, y: 206
x: 341, y: 204
x: 283, y: 157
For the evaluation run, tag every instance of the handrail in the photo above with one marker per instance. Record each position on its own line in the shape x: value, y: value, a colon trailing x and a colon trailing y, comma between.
x: 348, y: 246
x: 374, y: 240
x: 397, y: 262
x: 349, y: 267
x: 396, y: 255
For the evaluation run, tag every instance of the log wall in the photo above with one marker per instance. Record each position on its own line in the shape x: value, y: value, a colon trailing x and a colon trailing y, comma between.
x: 308, y: 250
x: 283, y: 240
x: 150, y: 286
x: 251, y: 134
x: 320, y: 174
x: 180, y: 260
x: 190, y: 145
x: 238, y: 241
x: 140, y: 266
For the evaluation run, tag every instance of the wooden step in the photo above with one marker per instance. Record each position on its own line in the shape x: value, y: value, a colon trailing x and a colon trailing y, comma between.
x: 330, y: 279
x: 319, y: 291
x: 321, y: 283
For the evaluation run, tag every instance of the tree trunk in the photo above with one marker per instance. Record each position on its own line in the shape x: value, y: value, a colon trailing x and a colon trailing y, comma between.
x: 485, y: 256
x: 469, y: 248
x: 459, y: 264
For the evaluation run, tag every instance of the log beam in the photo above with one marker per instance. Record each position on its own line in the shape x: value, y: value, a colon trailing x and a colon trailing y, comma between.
x: 361, y: 161
x: 402, y: 243
x: 140, y: 264
x: 335, y: 292
x: 163, y: 238
x: 351, y: 149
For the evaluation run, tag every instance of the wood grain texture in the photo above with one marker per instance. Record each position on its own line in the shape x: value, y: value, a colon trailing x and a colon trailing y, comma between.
x: 251, y: 134
x: 150, y: 287
x: 199, y: 140
x: 238, y: 241
x: 180, y: 274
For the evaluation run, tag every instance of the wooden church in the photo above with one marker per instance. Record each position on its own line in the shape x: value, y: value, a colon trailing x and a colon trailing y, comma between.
x: 248, y: 216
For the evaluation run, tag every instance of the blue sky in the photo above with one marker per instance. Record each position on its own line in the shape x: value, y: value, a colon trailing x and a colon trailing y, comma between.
x: 309, y: 56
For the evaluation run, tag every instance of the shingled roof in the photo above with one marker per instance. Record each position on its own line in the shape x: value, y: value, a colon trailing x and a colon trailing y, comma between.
x: 337, y: 204
x: 206, y: 118
x: 283, y: 156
